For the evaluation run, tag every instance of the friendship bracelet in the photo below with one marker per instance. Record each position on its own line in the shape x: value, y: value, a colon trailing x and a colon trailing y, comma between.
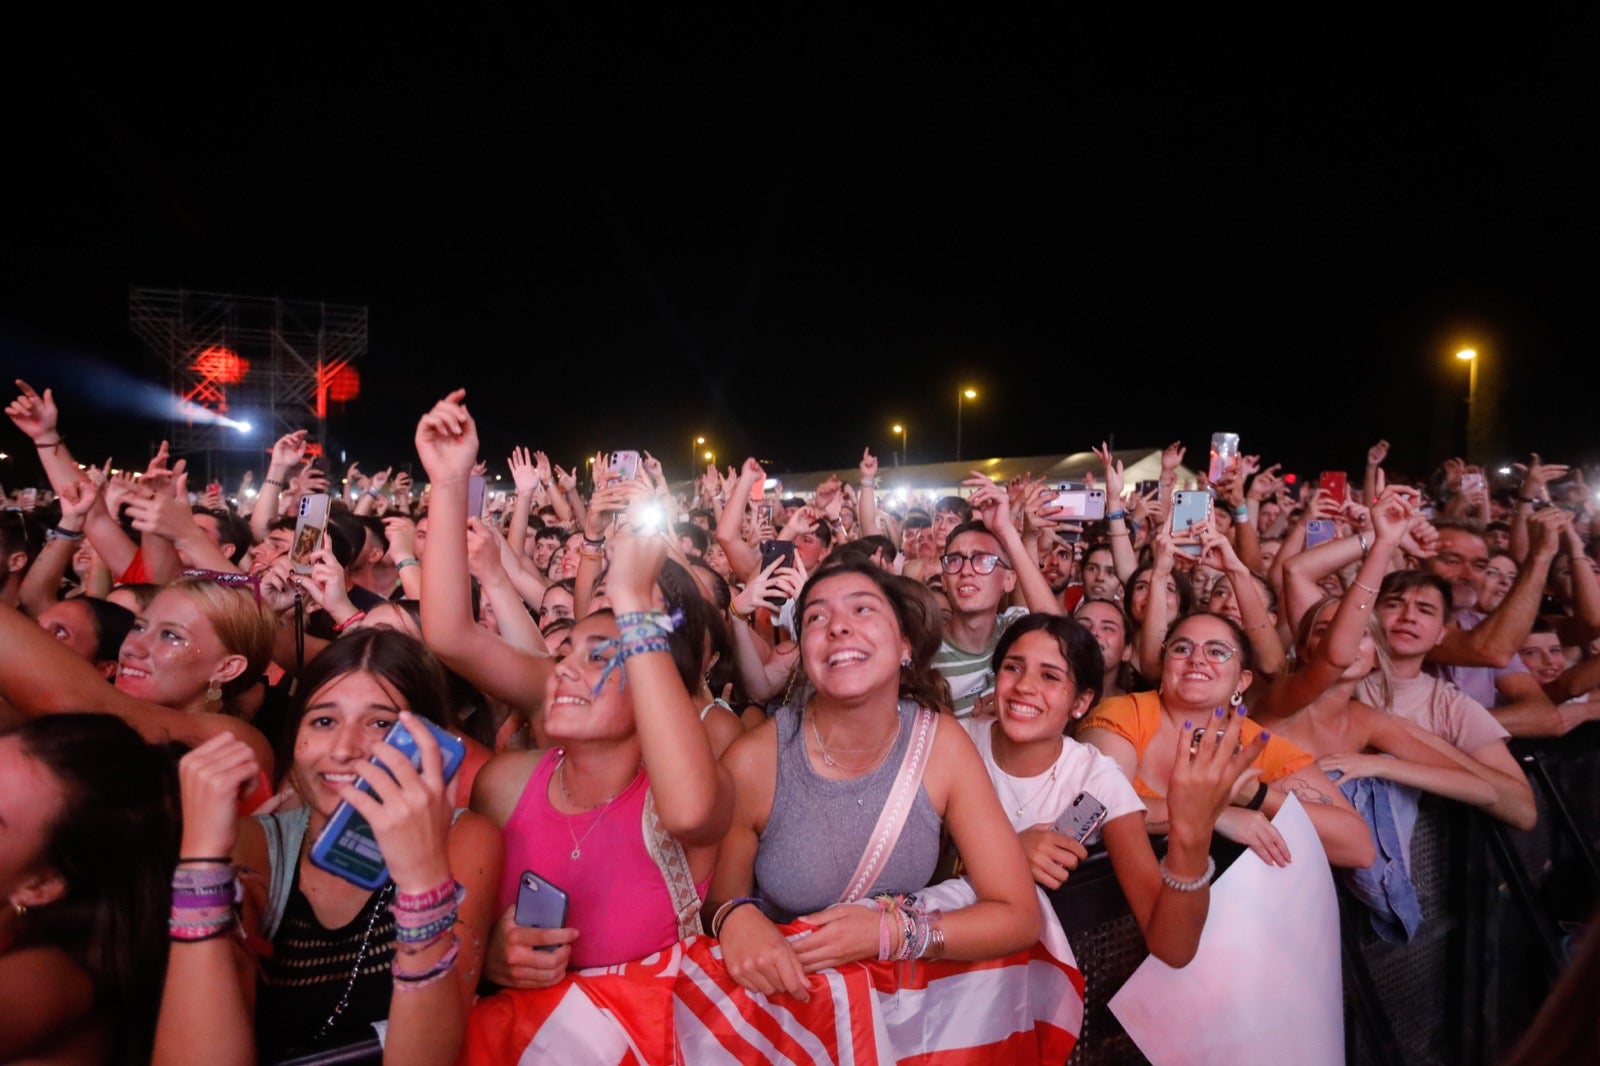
x: 274, y: 482
x: 1368, y: 588
x: 228, y: 859
x: 51, y: 445
x: 432, y: 973
x: 644, y: 647
x: 340, y: 627
x: 1118, y: 513
x: 451, y: 891
x: 1172, y: 881
x: 1242, y: 514
x: 726, y: 909
x: 403, y: 563
x: 659, y: 619
x: 57, y: 533
x: 187, y: 934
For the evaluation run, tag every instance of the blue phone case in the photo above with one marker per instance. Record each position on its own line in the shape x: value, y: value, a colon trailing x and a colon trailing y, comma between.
x: 346, y: 846
x: 540, y: 905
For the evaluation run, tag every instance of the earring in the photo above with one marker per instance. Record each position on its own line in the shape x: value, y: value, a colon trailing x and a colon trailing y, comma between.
x: 1236, y: 699
x: 20, y: 908
x: 905, y: 664
x: 214, y: 692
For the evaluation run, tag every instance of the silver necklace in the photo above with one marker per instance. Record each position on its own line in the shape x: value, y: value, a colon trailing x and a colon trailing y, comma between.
x: 561, y: 783
x: 828, y: 759
x: 1041, y: 790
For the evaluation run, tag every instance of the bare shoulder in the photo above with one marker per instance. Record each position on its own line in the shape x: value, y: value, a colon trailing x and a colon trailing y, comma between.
x: 499, y: 785
x: 753, y: 755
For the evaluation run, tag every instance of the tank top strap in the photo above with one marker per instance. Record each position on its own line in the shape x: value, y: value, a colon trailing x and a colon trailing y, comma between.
x: 285, y: 834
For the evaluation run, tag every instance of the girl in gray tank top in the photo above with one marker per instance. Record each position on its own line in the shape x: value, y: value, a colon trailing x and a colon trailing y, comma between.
x: 818, y: 828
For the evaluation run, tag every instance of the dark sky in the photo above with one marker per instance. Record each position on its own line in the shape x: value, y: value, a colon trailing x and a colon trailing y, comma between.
x: 785, y: 229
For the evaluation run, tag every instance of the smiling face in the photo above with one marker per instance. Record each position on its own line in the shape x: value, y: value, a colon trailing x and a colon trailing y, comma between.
x: 1541, y: 653
x: 1497, y: 581
x: 173, y: 653
x: 1462, y: 560
x: 343, y: 721
x: 573, y: 709
x: 1034, y: 690
x: 850, y: 639
x: 1196, y: 680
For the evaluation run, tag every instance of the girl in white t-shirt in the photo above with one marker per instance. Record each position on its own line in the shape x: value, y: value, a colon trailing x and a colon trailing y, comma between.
x: 1048, y: 672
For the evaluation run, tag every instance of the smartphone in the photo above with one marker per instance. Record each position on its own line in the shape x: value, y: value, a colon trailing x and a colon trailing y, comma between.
x: 1473, y: 483
x: 1080, y: 820
x: 346, y: 846
x: 1224, y: 454
x: 213, y: 487
x: 624, y: 466
x: 1074, y: 503
x: 540, y: 905
x: 772, y: 550
x: 1334, y: 485
x: 475, y: 496
x: 1320, y: 531
x: 308, y: 529
x: 1144, y: 488
x: 1188, y: 507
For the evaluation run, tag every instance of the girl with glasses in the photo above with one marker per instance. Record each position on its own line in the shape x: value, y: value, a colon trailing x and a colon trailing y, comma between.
x: 1206, y: 665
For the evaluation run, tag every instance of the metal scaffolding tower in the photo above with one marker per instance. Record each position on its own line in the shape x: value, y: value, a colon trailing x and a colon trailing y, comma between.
x: 262, y: 359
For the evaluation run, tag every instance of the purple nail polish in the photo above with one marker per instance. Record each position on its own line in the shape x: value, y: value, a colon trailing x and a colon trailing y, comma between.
x: 1188, y: 725
x: 1265, y: 735
x: 1219, y: 712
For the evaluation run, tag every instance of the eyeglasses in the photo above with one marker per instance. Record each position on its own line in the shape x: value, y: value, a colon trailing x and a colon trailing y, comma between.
x: 1215, y: 651
x: 982, y: 562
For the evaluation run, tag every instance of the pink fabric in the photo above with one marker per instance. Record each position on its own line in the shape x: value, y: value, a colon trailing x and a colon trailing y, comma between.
x: 617, y: 899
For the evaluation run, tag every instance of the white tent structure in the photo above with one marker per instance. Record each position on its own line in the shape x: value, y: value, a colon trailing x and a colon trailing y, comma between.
x: 944, y: 479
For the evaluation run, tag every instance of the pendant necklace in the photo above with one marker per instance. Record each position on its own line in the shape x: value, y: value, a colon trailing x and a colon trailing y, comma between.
x: 827, y: 756
x: 561, y: 783
x: 1041, y: 790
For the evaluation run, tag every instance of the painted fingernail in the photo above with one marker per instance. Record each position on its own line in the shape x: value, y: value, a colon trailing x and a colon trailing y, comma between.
x: 1265, y: 735
x: 1242, y: 710
x: 1188, y: 724
x: 1219, y: 712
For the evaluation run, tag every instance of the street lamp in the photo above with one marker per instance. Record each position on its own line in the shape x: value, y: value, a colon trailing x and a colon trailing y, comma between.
x: 962, y: 395
x: 904, y: 434
x: 1470, y: 357
x: 694, y: 449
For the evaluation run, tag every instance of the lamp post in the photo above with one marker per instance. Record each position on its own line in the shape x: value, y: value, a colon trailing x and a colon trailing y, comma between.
x: 694, y: 451
x: 962, y: 395
x: 904, y: 434
x: 1470, y: 357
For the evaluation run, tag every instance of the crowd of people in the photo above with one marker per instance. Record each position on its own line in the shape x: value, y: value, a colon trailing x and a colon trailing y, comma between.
x: 747, y: 741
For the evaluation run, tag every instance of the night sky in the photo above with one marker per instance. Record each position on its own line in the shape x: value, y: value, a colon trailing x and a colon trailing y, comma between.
x: 785, y: 229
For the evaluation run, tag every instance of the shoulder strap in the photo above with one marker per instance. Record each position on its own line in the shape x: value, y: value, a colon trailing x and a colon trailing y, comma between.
x: 285, y: 833
x: 880, y: 845
x: 673, y: 862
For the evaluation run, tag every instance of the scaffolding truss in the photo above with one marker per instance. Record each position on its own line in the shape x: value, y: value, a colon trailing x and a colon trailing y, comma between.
x: 264, y: 360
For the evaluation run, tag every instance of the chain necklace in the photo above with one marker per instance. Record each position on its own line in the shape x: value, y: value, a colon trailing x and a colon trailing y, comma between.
x: 1041, y: 790
x: 561, y: 783
x: 827, y: 757
x: 355, y: 969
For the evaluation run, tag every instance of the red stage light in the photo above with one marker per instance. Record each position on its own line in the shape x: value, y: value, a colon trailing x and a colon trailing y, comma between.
x: 222, y: 365
x: 345, y: 385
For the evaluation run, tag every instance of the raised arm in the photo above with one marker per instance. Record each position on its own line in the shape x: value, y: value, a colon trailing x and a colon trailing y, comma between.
x: 1217, y: 551
x: 1499, y: 636
x: 447, y: 442
x: 1370, y: 484
x: 1123, y: 556
x: 867, y: 497
x: 42, y: 580
x: 991, y: 505
x: 742, y: 558
x: 287, y: 454
x: 38, y: 417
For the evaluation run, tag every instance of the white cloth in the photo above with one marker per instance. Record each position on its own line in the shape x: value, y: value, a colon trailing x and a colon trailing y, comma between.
x: 1041, y: 799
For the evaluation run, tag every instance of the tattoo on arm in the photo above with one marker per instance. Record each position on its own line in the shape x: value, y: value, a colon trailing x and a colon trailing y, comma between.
x: 1307, y: 794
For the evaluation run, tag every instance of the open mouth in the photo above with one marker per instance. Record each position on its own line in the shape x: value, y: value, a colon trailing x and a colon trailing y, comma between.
x: 848, y: 657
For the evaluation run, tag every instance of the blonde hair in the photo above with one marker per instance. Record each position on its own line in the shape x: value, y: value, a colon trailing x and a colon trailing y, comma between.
x: 243, y: 625
x: 1380, y: 644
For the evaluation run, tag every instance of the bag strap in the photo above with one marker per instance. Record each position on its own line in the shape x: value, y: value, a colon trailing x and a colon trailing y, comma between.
x: 892, y: 819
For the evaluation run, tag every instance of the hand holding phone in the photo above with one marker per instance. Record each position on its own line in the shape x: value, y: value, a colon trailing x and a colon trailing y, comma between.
x: 1082, y: 818
x: 1189, y: 507
x: 540, y: 905
x: 348, y: 846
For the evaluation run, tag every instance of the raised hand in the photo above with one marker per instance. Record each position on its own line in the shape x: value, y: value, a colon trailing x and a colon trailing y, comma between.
x: 524, y: 474
x: 290, y: 451
x: 1172, y: 457
x: 211, y: 779
x: 408, y: 809
x: 447, y: 439
x: 868, y: 466
x: 35, y: 415
x: 1113, y: 473
x: 1378, y: 453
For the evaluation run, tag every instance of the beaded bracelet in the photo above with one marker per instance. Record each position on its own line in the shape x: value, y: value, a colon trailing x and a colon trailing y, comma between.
x: 1173, y: 882
x: 274, y: 482
x: 203, y: 903
x: 451, y: 891
x: 433, y: 973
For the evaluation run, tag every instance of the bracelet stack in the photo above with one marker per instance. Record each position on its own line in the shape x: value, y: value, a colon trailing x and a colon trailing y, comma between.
x: 421, y: 920
x: 720, y: 918
x: 643, y: 631
x: 203, y: 901
x: 920, y: 935
x: 1177, y: 884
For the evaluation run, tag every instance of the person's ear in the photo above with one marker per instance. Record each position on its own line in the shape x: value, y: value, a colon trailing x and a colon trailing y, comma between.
x: 16, y: 562
x: 231, y: 667
x: 1245, y: 677
x: 38, y: 890
x: 1082, y: 704
x: 1009, y: 582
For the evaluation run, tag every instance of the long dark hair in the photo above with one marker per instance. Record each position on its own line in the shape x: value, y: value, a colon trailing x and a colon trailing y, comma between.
x: 399, y: 660
x: 114, y: 845
x: 920, y: 623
